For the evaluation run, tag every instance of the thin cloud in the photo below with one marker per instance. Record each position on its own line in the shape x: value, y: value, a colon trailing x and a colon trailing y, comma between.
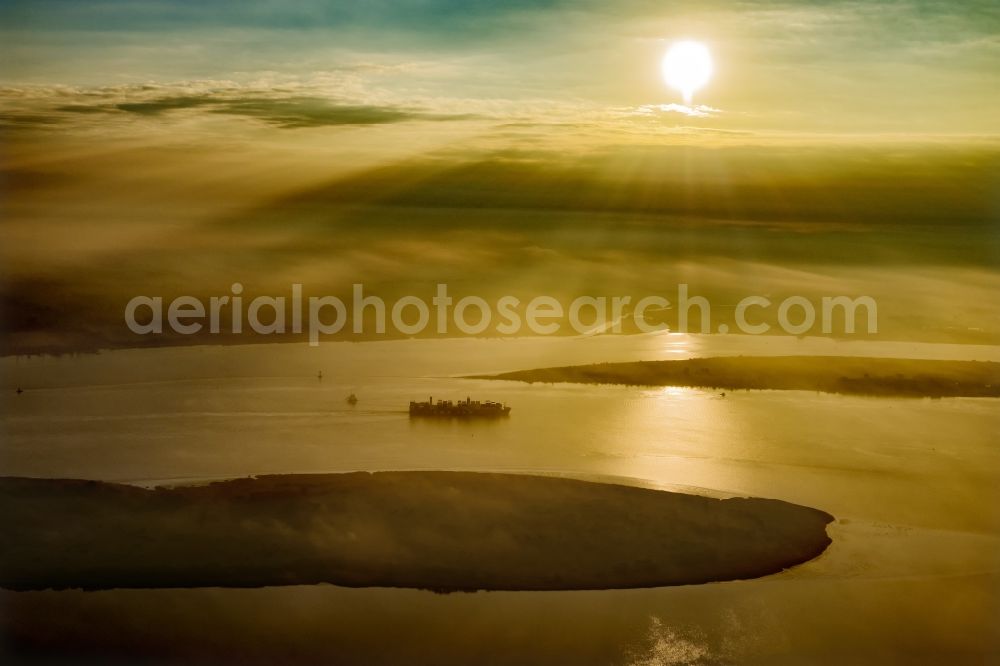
x: 296, y: 112
x: 284, y: 111
x: 696, y: 111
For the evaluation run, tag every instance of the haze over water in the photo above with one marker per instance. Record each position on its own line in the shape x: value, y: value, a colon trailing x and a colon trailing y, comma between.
x: 913, y: 568
x: 785, y: 155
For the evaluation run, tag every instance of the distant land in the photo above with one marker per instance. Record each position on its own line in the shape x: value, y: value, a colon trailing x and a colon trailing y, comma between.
x: 443, y: 531
x: 830, y: 374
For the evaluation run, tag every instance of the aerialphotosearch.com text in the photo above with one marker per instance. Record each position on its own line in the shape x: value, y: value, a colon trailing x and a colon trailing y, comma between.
x: 365, y: 314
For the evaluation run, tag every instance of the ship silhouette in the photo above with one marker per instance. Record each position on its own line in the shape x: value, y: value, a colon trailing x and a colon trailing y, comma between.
x: 464, y: 409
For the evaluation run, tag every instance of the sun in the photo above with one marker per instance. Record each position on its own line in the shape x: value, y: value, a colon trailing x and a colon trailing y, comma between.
x: 687, y: 66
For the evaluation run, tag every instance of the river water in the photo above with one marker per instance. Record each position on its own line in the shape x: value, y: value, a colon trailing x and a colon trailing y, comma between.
x: 913, y: 573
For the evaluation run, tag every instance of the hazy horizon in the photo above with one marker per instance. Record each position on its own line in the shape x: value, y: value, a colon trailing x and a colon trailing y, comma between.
x: 532, y: 332
x: 169, y: 149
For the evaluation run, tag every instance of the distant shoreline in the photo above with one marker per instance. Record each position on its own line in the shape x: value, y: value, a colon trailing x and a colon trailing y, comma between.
x: 441, y: 531
x: 870, y: 376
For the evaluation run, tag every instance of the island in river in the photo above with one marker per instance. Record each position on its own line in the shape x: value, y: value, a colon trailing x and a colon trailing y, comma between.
x: 445, y: 531
x: 831, y: 374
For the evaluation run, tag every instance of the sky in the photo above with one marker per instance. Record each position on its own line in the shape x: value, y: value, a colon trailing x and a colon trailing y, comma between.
x: 176, y: 147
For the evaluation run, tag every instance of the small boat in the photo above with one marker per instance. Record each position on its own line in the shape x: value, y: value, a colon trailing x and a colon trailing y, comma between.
x: 352, y: 399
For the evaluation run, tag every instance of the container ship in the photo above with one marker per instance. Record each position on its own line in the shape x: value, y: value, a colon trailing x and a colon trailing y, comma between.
x: 464, y: 409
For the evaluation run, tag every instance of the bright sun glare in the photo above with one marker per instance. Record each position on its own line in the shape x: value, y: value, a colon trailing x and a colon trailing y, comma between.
x: 687, y: 66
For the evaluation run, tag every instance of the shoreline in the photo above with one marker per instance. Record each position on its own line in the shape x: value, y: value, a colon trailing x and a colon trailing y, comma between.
x: 441, y: 531
x: 843, y: 375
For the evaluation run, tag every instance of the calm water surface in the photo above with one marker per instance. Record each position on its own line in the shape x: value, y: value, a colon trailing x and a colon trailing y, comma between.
x: 912, y: 574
